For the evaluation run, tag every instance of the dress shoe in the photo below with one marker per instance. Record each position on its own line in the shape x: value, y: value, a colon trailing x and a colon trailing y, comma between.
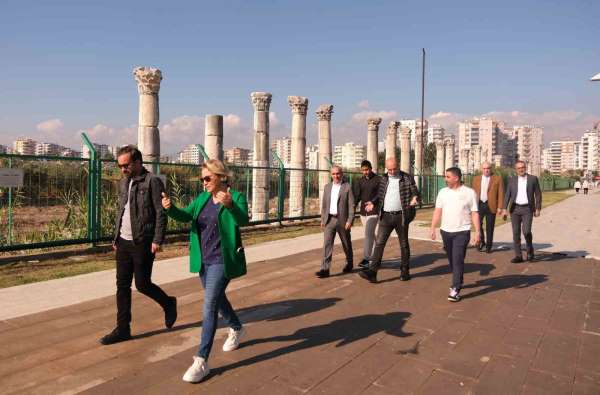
x: 116, y: 336
x: 481, y: 246
x: 364, y: 264
x: 348, y: 268
x: 171, y: 312
x: 531, y: 256
x: 488, y: 250
x: 404, y: 275
x: 516, y: 259
x: 322, y: 273
x: 369, y: 275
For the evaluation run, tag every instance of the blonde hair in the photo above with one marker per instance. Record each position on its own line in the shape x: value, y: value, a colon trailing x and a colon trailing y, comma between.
x: 217, y: 167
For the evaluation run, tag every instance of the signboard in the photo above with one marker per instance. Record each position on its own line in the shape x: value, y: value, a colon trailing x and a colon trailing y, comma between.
x: 11, y: 178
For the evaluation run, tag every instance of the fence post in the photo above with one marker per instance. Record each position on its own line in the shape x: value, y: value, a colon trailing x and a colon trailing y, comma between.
x: 10, y: 211
x: 281, y: 188
x: 92, y: 189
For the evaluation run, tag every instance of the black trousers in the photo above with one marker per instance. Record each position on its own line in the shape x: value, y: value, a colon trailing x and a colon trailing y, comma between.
x: 387, y: 223
x: 521, y: 219
x: 455, y: 244
x: 135, y: 261
x: 490, y: 221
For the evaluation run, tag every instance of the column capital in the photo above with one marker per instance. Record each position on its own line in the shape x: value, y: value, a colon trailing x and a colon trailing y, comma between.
x: 449, y: 140
x: 405, y: 133
x: 393, y: 126
x: 439, y: 144
x: 261, y: 100
x: 148, y: 80
x: 324, y: 112
x: 299, y: 104
x: 374, y: 123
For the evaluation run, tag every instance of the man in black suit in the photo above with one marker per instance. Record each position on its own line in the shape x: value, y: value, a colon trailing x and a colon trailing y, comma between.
x: 337, y: 215
x: 524, y: 201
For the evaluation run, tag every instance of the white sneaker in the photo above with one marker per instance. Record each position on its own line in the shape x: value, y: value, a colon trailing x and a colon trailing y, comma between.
x: 197, y: 371
x: 454, y: 295
x: 233, y: 340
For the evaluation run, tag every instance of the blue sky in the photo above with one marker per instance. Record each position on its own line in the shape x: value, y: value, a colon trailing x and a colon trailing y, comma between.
x: 67, y: 66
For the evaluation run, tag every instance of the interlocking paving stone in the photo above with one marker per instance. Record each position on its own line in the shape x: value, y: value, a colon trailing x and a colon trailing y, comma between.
x: 529, y: 328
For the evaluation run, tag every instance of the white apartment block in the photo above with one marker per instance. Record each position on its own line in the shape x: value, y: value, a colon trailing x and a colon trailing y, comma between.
x: 412, y: 124
x: 48, y: 149
x: 283, y: 149
x: 496, y: 144
x: 238, y: 156
x: 24, y: 146
x: 349, y: 155
x: 589, y: 150
x: 529, y: 147
x: 312, y: 157
x: 435, y: 133
x: 101, y: 149
x: 191, y: 154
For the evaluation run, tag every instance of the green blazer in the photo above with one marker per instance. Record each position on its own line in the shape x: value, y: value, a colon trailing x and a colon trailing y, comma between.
x: 229, y: 223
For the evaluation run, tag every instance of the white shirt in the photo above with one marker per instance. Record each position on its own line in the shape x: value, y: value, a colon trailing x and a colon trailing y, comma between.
x: 392, y: 202
x: 126, y: 231
x: 335, y: 193
x: 522, y: 190
x: 585, y: 185
x: 457, y: 206
x: 485, y: 183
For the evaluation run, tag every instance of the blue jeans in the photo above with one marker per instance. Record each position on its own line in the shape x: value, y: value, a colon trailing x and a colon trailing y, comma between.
x: 214, y: 283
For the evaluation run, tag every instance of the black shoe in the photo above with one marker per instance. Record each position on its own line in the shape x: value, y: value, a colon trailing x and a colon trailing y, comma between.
x: 348, y: 268
x: 481, y: 246
x: 531, y: 257
x: 488, y: 250
x: 404, y: 274
x: 322, y: 273
x: 516, y: 259
x: 369, y: 275
x: 171, y: 312
x: 116, y: 336
x: 364, y: 264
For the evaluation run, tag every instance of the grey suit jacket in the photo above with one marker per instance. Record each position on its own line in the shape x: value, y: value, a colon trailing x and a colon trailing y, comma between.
x: 534, y: 193
x: 345, y: 204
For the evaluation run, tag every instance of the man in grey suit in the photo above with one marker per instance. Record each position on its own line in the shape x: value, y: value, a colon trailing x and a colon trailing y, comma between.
x: 337, y: 214
x: 524, y: 201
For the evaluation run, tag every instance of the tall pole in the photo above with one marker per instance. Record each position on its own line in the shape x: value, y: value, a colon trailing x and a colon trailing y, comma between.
x: 422, y: 107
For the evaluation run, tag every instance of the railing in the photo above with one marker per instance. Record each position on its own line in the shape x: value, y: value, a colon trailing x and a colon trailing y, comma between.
x: 66, y: 201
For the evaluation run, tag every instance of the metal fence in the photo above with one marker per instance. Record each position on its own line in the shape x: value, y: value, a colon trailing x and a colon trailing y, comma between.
x: 73, y: 200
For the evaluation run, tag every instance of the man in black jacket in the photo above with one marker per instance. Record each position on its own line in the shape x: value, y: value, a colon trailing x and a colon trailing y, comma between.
x: 139, y: 233
x: 397, y: 197
x: 365, y: 191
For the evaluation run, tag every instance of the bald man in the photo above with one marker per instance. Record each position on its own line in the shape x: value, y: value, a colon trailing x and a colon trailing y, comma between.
x: 397, y: 197
x: 490, y: 193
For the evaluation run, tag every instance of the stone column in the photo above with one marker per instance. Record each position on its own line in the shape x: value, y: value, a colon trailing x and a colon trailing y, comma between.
x: 439, y: 158
x: 260, y: 177
x: 213, y: 136
x: 148, y: 80
x: 464, y: 159
x: 372, y: 142
x: 324, y: 116
x: 418, y: 149
x: 299, y: 107
x: 449, y: 143
x: 477, y: 157
x: 405, y: 149
x: 391, y: 139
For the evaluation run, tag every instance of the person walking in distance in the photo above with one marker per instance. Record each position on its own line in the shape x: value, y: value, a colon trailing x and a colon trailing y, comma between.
x: 365, y: 191
x: 523, y: 201
x: 585, y: 185
x: 337, y: 214
x: 217, y: 254
x: 139, y: 234
x: 489, y: 189
x: 397, y: 197
x: 577, y: 186
x: 456, y: 205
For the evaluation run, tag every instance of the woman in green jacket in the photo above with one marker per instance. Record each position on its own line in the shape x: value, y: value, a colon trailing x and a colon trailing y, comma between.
x: 216, y: 253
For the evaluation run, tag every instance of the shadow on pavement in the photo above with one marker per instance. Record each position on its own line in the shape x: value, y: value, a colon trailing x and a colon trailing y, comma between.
x: 504, y: 282
x: 265, y: 312
x: 343, y: 331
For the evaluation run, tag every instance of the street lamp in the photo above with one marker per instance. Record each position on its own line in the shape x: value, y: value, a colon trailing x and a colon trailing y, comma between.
x: 596, y: 77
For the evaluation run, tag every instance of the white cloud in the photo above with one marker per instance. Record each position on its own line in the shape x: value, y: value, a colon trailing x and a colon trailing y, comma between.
x: 440, y: 115
x: 50, y: 126
x: 273, y: 120
x: 231, y: 121
x: 181, y: 131
x: 363, y: 104
x: 363, y: 116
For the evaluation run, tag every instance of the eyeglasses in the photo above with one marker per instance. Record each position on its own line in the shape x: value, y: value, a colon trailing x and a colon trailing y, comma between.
x: 336, y: 174
x: 206, y: 179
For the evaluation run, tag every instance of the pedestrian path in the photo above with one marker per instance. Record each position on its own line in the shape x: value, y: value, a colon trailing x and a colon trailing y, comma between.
x: 527, y: 328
